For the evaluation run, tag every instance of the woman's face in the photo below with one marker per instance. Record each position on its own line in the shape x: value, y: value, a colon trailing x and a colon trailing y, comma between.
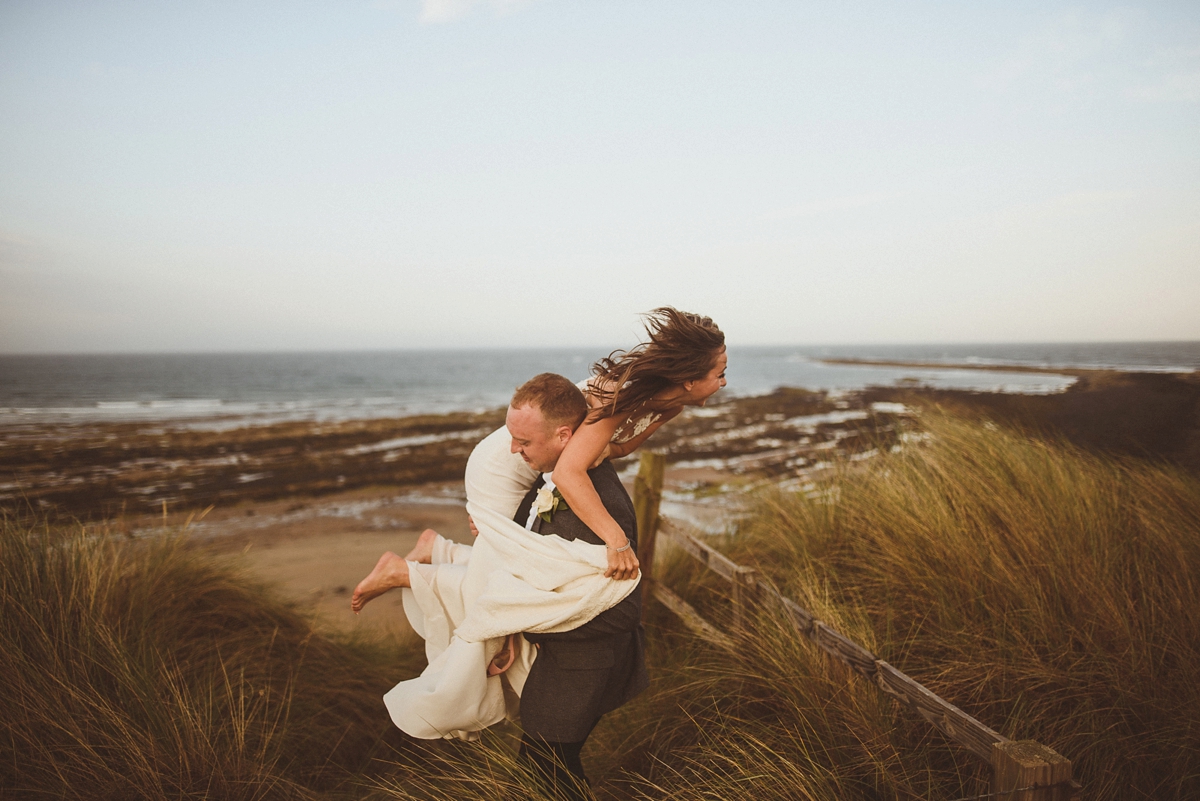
x: 702, y: 389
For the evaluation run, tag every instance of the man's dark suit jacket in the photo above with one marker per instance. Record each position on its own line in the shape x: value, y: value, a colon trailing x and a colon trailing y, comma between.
x: 581, y: 674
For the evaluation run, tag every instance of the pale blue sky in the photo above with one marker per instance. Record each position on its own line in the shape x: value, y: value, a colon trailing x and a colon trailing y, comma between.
x: 255, y: 176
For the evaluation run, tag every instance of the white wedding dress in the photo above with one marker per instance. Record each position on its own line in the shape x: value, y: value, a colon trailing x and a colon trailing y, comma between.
x: 472, y: 597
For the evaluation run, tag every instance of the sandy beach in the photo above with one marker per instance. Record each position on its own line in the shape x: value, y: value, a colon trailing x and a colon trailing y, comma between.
x: 314, y: 552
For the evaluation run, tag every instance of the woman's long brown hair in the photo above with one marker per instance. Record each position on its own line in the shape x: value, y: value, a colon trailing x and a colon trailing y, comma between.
x: 682, y: 347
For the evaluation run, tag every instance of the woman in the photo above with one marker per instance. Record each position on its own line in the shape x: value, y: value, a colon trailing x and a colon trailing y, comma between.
x: 632, y: 394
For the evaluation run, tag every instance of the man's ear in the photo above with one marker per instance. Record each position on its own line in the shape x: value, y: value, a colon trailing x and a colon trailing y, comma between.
x: 564, y: 434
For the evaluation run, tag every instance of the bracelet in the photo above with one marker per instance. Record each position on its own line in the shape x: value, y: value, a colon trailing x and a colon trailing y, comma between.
x: 623, y: 548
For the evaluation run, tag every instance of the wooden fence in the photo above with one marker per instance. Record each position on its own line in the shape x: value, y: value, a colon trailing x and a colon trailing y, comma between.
x: 1022, y: 770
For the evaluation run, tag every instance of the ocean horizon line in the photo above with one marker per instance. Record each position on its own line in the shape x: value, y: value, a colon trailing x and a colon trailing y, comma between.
x: 521, y: 348
x: 375, y: 383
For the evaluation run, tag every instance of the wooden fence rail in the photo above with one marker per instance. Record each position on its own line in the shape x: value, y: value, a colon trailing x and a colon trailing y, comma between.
x: 1022, y: 770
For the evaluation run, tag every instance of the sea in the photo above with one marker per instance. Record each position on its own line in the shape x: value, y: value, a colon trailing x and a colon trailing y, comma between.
x: 221, y: 390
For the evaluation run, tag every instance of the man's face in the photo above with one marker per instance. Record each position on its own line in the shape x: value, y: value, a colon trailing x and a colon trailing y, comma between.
x: 539, y: 443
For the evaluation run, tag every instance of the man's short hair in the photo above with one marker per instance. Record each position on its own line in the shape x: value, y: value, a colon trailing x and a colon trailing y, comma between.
x: 560, y: 401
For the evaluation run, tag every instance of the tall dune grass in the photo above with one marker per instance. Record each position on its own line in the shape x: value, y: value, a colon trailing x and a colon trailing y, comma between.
x: 1053, y: 594
x: 776, y: 720
x: 146, y: 670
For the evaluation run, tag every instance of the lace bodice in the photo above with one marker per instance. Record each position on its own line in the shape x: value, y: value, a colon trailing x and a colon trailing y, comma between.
x: 637, y: 422
x: 633, y: 425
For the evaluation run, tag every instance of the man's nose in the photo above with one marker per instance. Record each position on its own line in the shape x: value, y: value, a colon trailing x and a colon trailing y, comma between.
x: 513, y: 447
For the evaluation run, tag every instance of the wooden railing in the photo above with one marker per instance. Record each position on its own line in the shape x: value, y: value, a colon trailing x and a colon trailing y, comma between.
x: 1022, y: 770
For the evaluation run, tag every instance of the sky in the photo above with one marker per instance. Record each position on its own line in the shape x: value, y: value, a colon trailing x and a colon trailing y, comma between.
x: 253, y: 176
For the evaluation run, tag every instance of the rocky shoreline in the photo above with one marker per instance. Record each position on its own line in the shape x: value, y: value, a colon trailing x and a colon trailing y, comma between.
x: 101, y: 471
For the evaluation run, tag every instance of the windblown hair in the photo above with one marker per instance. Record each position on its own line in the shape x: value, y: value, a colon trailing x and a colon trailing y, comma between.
x: 560, y: 401
x: 682, y: 347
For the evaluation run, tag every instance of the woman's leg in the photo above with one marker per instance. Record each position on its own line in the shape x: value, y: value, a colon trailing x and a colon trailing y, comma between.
x: 391, y: 572
x: 422, y: 552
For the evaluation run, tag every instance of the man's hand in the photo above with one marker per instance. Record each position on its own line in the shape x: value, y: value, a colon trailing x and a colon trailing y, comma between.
x: 471, y: 523
x: 623, y: 565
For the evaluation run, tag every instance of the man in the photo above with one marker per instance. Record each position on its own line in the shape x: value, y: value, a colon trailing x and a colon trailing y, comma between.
x: 579, y: 675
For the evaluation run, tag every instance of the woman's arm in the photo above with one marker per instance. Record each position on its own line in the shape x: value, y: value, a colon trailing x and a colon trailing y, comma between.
x: 571, y: 478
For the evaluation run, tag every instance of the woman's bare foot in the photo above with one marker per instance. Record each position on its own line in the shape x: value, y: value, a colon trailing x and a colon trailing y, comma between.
x: 390, y: 572
x: 422, y: 552
x: 504, y: 658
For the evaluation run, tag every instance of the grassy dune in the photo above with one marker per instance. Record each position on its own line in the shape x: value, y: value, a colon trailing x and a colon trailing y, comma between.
x: 146, y: 670
x: 1051, y: 593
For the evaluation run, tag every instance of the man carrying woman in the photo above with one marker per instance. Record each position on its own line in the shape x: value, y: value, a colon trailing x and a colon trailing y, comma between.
x: 546, y: 500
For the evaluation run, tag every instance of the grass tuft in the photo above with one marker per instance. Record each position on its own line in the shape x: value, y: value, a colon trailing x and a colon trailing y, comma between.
x: 148, y: 670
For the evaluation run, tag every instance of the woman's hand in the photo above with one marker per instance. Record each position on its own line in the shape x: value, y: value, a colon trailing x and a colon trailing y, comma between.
x: 471, y: 523
x: 623, y: 565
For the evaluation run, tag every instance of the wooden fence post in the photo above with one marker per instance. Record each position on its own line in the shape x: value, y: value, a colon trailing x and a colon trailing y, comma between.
x: 1017, y: 764
x: 745, y: 591
x: 647, y: 493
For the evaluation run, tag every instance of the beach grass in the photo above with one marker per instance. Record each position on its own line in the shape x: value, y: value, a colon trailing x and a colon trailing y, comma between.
x: 1049, y: 592
x: 145, y: 669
